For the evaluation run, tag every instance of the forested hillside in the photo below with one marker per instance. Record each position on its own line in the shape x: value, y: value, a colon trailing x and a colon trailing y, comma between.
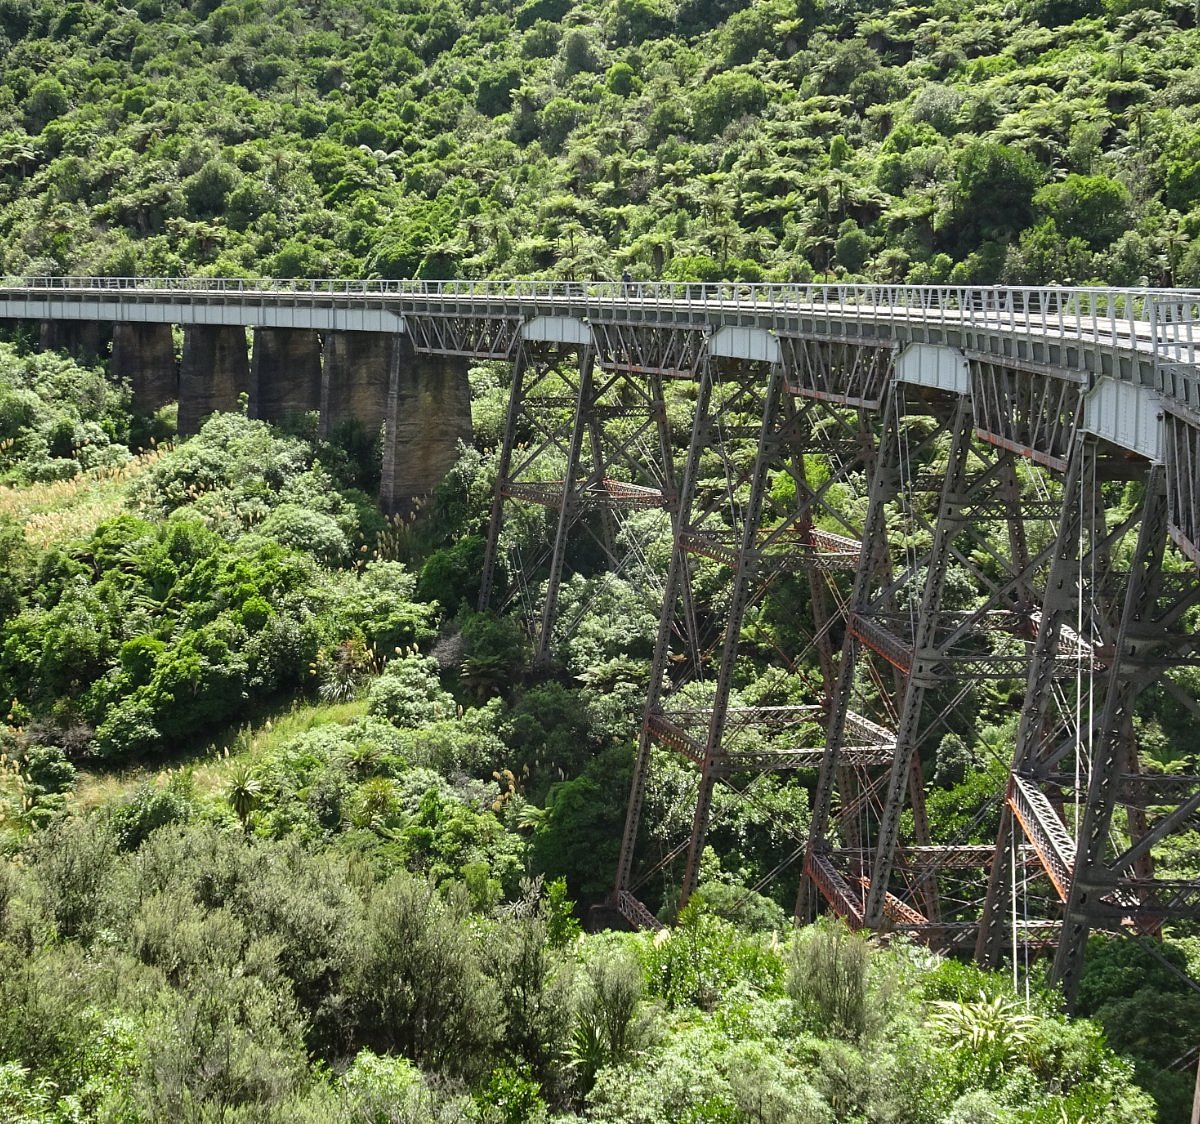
x: 1023, y: 141
x: 291, y: 833
x: 288, y: 830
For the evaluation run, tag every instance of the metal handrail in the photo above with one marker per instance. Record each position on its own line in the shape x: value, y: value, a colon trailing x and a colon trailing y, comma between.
x: 1098, y: 313
x: 1164, y: 323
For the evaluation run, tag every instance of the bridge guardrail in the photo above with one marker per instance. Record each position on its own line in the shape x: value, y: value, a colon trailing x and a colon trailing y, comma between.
x: 1104, y: 315
x: 1175, y: 335
x: 1163, y: 321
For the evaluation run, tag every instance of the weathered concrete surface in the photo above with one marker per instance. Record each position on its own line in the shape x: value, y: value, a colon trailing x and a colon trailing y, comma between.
x: 285, y: 373
x: 144, y: 354
x: 429, y: 412
x: 214, y: 371
x: 84, y: 339
x: 354, y: 383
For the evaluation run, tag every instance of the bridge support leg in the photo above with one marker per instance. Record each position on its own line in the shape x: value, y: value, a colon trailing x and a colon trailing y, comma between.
x: 487, y: 579
x: 1061, y: 597
x: 1145, y: 632
x: 214, y: 372
x: 745, y: 572
x: 568, y: 505
x: 676, y: 602
x: 883, y: 468
x: 595, y: 449
x: 428, y: 415
x: 908, y: 728
x: 144, y: 354
x: 285, y: 373
x: 356, y: 380
x: 85, y: 340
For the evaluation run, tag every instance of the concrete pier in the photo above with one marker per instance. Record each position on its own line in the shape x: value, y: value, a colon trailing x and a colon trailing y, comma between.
x: 355, y: 379
x: 214, y: 371
x: 144, y: 354
x: 285, y: 373
x: 428, y: 413
x: 86, y: 340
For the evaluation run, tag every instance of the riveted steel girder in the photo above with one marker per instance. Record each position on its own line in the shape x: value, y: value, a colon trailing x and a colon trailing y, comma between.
x: 1183, y: 480
x: 848, y: 373
x: 645, y: 347
x: 476, y: 335
x: 590, y: 445
x: 1030, y: 413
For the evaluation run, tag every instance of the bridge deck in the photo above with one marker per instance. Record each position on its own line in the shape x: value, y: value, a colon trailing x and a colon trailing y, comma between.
x: 1118, y: 332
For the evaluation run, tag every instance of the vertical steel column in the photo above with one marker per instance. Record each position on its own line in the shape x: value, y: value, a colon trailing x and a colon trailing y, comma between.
x: 599, y: 468
x: 496, y: 522
x: 1018, y: 542
x: 818, y: 589
x: 884, y: 470
x: 737, y: 608
x: 676, y: 587
x: 1062, y: 593
x: 1116, y: 746
x: 566, y: 511
x: 924, y: 662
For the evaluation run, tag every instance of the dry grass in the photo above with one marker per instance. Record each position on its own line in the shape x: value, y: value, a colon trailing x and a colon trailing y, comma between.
x: 68, y: 509
x: 210, y: 768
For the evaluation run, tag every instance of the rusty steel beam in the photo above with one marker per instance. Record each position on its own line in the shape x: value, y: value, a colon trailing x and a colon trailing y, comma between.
x: 1046, y: 833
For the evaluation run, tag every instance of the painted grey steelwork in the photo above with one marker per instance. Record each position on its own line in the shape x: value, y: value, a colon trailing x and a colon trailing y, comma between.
x: 1096, y: 387
x: 1103, y: 331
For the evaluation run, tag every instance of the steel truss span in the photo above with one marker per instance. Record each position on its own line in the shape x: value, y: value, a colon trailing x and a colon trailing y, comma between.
x: 956, y: 489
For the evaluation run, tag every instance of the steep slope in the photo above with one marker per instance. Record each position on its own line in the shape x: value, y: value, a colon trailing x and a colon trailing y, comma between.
x: 1023, y: 141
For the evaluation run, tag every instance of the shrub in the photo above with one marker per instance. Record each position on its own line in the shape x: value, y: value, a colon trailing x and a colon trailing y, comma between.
x: 409, y: 693
x: 150, y: 808
x: 704, y: 957
x: 418, y: 983
x: 827, y: 979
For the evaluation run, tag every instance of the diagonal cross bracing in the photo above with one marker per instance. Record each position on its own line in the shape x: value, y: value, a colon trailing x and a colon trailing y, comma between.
x: 1045, y: 831
x: 1088, y: 622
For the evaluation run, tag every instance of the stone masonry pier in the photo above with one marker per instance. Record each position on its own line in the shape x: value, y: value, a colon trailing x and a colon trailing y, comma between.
x: 419, y: 404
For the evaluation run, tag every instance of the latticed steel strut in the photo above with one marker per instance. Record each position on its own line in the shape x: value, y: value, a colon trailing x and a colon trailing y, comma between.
x: 587, y: 441
x: 947, y: 515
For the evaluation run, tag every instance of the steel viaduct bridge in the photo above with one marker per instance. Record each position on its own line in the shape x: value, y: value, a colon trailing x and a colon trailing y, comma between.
x: 965, y: 485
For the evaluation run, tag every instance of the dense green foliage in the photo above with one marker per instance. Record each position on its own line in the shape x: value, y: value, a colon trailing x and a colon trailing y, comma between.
x: 163, y: 628
x: 348, y: 913
x: 205, y: 975
x: 370, y: 907
x: 56, y: 419
x: 1027, y: 141
x: 366, y: 913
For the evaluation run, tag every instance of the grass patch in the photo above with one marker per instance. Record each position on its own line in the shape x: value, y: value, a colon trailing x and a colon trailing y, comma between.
x: 72, y: 509
x: 210, y: 767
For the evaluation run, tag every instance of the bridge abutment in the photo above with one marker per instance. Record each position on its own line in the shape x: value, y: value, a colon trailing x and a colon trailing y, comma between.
x: 144, y: 354
x: 214, y: 371
x: 285, y: 373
